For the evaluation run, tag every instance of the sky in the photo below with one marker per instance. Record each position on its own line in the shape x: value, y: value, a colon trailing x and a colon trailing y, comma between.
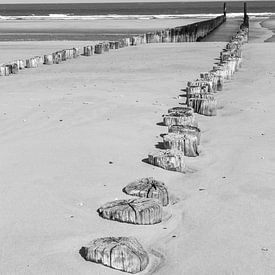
x: 100, y: 1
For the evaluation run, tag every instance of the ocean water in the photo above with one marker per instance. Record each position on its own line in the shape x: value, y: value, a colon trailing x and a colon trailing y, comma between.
x: 123, y: 10
x: 31, y: 21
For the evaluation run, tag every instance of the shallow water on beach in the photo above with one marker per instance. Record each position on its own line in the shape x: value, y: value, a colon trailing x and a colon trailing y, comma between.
x: 270, y: 24
x: 112, y: 21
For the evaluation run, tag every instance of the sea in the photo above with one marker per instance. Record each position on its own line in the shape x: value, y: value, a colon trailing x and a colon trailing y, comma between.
x: 16, y: 20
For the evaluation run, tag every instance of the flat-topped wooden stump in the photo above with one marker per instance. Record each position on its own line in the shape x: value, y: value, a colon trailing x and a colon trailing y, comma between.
x: 179, y: 118
x: 148, y: 188
x: 122, y: 253
x: 173, y: 160
x: 137, y: 211
x: 205, y: 106
x: 183, y: 110
x: 188, y: 144
x: 186, y: 129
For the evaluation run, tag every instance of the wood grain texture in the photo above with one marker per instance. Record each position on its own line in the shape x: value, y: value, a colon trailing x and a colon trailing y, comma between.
x: 137, y: 211
x: 184, y: 110
x: 122, y: 253
x: 148, y: 188
x: 205, y: 106
x: 188, y: 144
x: 173, y: 160
x: 185, y: 129
x: 179, y: 118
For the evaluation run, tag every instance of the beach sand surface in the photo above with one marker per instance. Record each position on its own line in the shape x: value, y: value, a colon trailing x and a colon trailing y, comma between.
x: 73, y: 135
x: 54, y: 29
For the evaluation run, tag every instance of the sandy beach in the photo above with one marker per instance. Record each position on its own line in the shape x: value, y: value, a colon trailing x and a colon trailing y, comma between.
x: 84, y: 29
x: 74, y: 134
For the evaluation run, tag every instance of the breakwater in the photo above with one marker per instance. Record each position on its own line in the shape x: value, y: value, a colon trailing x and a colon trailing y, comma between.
x: 180, y: 143
x: 188, y: 33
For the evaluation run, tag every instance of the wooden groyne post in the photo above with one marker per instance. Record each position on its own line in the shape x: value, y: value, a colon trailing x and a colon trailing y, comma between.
x: 224, y: 10
x: 246, y: 18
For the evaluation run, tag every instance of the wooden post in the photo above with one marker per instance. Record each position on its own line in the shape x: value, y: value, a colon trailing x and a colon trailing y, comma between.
x: 48, y: 59
x: 188, y: 144
x: 14, y: 68
x: 137, y: 211
x: 205, y: 106
x: 76, y: 52
x: 148, y: 188
x: 2, y: 70
x: 186, y: 130
x: 98, y: 49
x: 88, y: 51
x: 8, y: 69
x: 172, y: 160
x: 122, y: 253
x: 246, y: 18
x: 178, y: 118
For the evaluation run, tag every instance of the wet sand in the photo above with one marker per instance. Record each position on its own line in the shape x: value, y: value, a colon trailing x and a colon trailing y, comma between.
x: 49, y: 29
x: 270, y: 24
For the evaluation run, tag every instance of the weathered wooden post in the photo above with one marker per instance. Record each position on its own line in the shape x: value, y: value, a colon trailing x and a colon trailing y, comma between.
x: 224, y: 10
x: 182, y: 110
x: 57, y: 58
x: 172, y: 160
x: 186, y: 130
x: 178, y: 118
x: 188, y: 144
x: 116, y: 45
x: 8, y: 69
x: 141, y: 211
x: 31, y: 63
x: 76, y: 52
x: 205, y: 106
x: 105, y: 47
x: 98, y: 49
x: 111, y: 45
x: 48, y: 59
x: 246, y: 18
x: 122, y: 253
x: 14, y: 68
x: 148, y: 188
x: 2, y: 70
x: 88, y: 50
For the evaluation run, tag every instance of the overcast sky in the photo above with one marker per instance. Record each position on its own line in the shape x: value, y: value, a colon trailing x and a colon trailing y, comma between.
x: 99, y: 1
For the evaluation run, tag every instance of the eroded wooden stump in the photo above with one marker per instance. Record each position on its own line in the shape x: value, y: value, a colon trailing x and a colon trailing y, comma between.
x: 186, y: 130
x: 57, y: 57
x: 183, y: 110
x: 14, y: 68
x: 148, y: 188
x: 188, y: 144
x: 205, y: 106
x: 48, y: 59
x: 173, y: 160
x: 179, y: 118
x: 98, y: 49
x: 122, y: 253
x: 2, y: 70
x: 31, y: 63
x: 88, y: 50
x: 137, y: 211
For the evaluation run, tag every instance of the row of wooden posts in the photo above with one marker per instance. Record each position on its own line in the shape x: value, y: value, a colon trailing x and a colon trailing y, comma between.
x: 183, y: 136
x: 181, y: 141
x: 188, y: 33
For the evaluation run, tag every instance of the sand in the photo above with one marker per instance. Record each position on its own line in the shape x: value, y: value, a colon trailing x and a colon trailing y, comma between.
x: 55, y: 29
x: 73, y: 135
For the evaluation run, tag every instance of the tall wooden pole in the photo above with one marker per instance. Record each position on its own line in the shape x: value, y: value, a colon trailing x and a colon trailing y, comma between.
x: 224, y: 9
x: 246, y: 18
